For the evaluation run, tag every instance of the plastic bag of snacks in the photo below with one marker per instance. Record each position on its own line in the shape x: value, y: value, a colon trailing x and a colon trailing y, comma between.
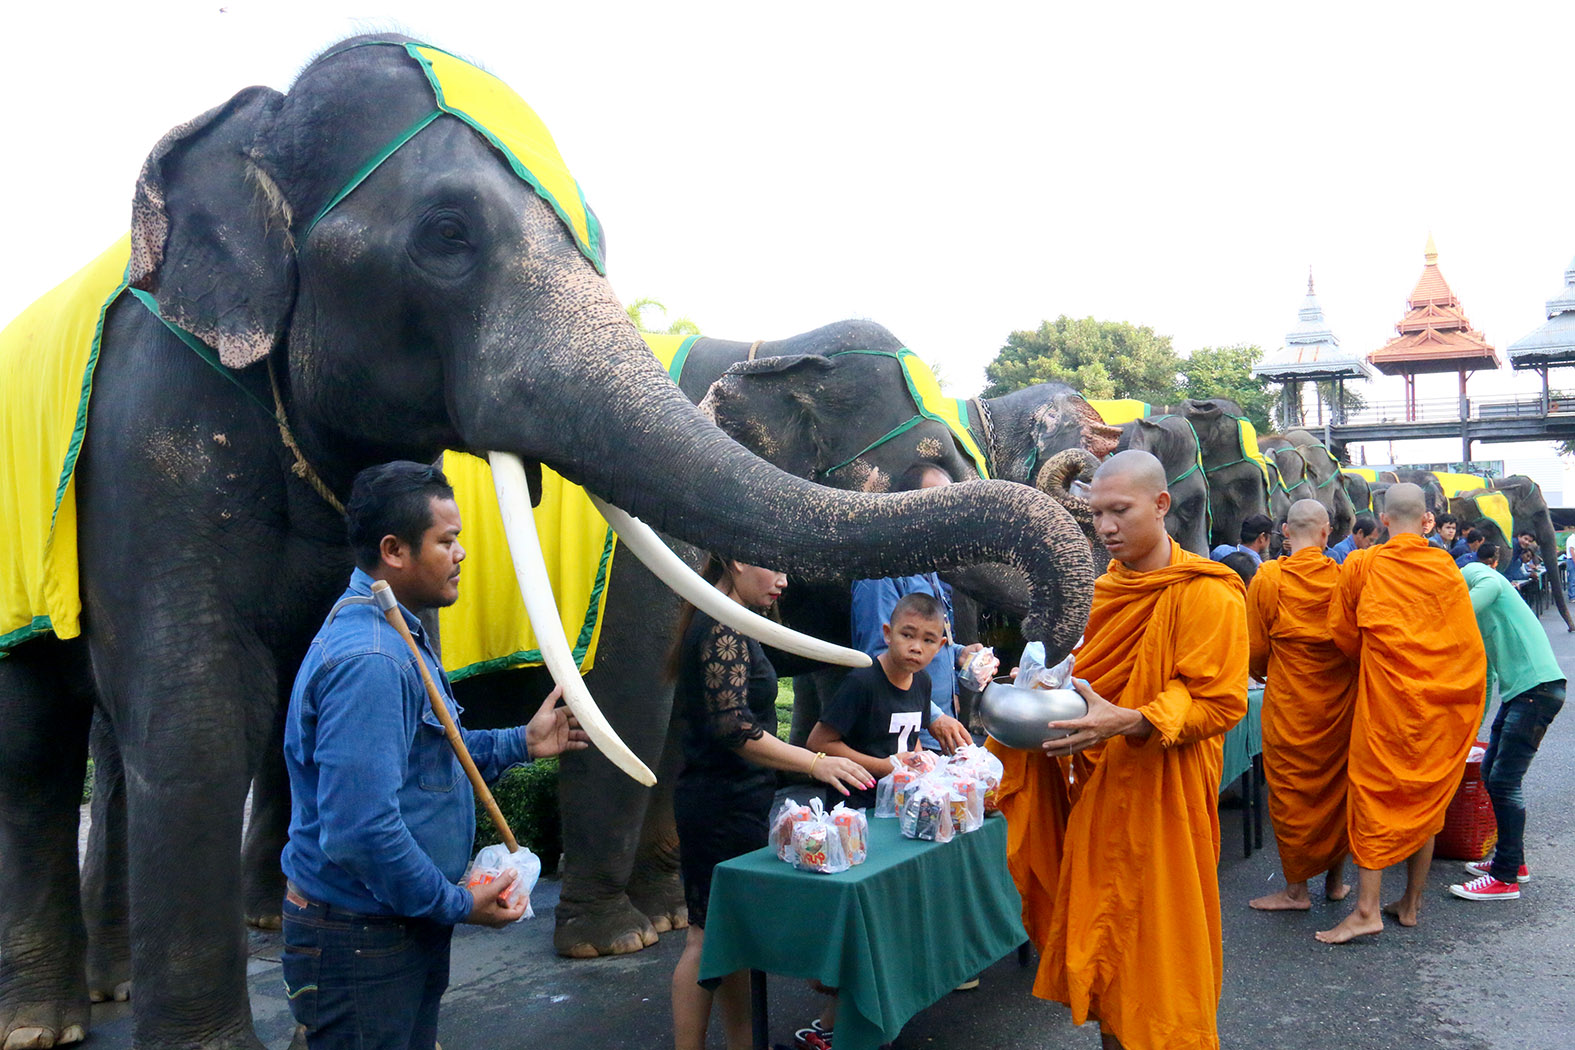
x: 816, y: 844
x: 787, y: 814
x: 967, y: 799
x: 979, y: 762
x: 855, y: 831
x: 919, y: 759
x: 1033, y: 674
x: 979, y: 669
x: 927, y: 811
x: 888, y: 787
x: 492, y: 861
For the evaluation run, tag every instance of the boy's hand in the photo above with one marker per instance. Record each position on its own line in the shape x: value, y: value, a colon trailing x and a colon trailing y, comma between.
x: 950, y: 733
x: 552, y: 730
x: 489, y: 906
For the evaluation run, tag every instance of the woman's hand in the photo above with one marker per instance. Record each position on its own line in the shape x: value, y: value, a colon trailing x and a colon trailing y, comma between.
x: 843, y: 774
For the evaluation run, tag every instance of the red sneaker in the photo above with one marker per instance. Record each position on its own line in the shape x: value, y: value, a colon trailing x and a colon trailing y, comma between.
x: 1487, y: 888
x: 1482, y: 867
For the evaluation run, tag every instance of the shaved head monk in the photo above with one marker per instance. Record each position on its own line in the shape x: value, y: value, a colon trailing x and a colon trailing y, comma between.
x: 1404, y: 610
x: 1134, y: 937
x: 1307, y: 706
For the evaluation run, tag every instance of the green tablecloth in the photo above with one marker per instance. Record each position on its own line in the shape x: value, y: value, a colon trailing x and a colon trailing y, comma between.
x: 1244, y: 740
x: 895, y: 933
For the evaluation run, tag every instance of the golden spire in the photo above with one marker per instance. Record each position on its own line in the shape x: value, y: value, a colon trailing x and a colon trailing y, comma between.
x: 1430, y: 253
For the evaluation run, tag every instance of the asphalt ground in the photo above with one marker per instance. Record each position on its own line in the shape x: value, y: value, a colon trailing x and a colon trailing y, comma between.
x: 1469, y: 976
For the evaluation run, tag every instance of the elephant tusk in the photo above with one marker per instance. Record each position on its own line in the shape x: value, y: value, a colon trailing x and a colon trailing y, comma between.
x: 519, y: 526
x: 668, y: 567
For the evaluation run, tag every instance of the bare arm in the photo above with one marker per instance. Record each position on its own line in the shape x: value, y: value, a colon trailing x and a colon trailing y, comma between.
x: 832, y: 769
x: 824, y: 738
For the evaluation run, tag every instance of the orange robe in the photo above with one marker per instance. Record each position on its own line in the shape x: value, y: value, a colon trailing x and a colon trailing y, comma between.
x: 1307, y: 706
x: 1135, y: 933
x: 1404, y: 609
x: 1035, y: 798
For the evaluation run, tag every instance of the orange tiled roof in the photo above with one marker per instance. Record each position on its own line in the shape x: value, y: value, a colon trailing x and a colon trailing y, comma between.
x: 1435, y: 334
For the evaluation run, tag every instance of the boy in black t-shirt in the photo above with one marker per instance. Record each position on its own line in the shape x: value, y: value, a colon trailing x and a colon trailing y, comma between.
x: 878, y: 710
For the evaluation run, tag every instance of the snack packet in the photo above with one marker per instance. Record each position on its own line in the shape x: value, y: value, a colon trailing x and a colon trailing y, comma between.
x: 967, y: 801
x: 816, y: 844
x: 1033, y: 674
x: 979, y: 669
x: 919, y: 759
x: 492, y: 861
x: 787, y: 814
x: 927, y: 812
x: 855, y: 831
x: 889, y: 787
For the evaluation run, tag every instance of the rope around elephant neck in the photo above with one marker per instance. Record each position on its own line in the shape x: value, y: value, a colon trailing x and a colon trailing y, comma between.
x: 302, y: 469
x: 987, y: 425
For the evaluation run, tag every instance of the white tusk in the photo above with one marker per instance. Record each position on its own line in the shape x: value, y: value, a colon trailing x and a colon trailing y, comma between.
x: 519, y: 525
x: 646, y: 545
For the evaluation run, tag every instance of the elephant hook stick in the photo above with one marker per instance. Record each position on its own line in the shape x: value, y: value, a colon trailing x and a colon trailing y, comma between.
x: 390, y: 608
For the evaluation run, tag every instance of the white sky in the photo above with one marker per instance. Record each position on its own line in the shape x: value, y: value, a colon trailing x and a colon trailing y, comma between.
x: 765, y: 169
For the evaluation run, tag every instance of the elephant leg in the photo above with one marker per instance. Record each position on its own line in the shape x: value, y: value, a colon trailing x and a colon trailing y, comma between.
x: 43, y: 756
x: 105, y: 902
x: 603, y: 810
x: 654, y: 886
x: 267, y: 832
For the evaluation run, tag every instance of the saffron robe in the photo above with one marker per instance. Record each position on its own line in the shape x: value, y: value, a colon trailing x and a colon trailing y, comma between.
x: 1403, y: 608
x: 1035, y: 798
x: 1135, y: 933
x: 1308, y: 702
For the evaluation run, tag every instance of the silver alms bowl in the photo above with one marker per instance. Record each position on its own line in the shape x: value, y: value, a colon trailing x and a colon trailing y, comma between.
x: 1020, y: 717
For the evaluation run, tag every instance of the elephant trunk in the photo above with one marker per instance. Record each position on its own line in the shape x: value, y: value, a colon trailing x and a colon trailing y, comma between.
x: 1542, y: 528
x: 619, y: 427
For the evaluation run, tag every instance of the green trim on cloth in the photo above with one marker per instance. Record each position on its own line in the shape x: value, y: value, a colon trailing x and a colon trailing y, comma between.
x: 675, y: 370
x: 582, y: 644
x: 961, y: 433
x: 79, y: 431
x: 371, y: 166
x: 40, y: 625
x: 197, y: 346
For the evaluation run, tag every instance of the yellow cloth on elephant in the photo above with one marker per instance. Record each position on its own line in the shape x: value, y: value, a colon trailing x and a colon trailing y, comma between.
x: 47, y: 357
x: 1248, y: 435
x: 1124, y: 410
x: 1494, y: 506
x: 487, y: 629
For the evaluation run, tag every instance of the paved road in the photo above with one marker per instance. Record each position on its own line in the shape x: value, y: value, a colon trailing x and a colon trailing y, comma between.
x: 1471, y: 976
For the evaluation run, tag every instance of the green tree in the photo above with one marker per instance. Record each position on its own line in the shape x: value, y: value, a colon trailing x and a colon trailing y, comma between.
x: 1226, y: 371
x: 1099, y: 359
x: 638, y: 310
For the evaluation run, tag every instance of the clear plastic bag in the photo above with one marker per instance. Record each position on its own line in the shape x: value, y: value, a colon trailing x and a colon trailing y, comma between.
x: 492, y: 861
x: 967, y: 800
x: 855, y: 831
x: 816, y: 843
x: 787, y: 814
x: 979, y: 669
x: 1033, y: 674
x: 926, y: 811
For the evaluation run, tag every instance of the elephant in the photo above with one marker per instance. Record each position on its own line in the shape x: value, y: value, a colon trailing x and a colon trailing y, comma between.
x: 1234, y: 468
x: 1171, y: 439
x: 1303, y: 469
x: 1528, y: 512
x: 382, y: 272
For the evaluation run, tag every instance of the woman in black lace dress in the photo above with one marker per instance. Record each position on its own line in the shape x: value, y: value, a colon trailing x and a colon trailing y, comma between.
x: 726, y: 699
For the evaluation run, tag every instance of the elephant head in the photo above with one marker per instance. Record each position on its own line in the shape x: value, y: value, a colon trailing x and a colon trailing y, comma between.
x: 415, y: 279
x: 1172, y: 441
x: 1238, y: 488
x: 1025, y: 428
x: 1528, y: 512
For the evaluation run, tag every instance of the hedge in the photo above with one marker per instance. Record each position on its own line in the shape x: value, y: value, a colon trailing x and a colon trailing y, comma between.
x: 528, y: 798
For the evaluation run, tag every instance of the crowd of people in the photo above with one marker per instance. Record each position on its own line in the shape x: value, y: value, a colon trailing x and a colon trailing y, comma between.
x: 1377, y: 659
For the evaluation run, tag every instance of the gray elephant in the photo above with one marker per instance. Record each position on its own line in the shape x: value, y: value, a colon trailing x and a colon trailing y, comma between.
x: 1232, y: 464
x: 1528, y: 511
x: 1302, y: 468
x: 335, y: 277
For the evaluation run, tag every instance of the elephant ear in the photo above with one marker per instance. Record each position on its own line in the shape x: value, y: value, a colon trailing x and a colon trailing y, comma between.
x: 210, y: 232
x: 770, y: 406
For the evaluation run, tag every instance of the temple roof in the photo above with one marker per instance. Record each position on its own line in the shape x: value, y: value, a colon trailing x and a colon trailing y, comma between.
x: 1435, y: 334
x: 1554, y: 342
x: 1311, y: 350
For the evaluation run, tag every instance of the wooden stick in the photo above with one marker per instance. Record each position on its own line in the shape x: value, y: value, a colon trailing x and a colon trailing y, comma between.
x: 390, y: 607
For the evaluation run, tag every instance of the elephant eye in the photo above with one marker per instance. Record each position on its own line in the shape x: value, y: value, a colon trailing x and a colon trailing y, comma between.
x: 445, y: 233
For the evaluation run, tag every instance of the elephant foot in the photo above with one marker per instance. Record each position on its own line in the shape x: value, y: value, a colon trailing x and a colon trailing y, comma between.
x: 588, y: 932
x: 109, y: 967
x: 660, y: 898
x: 271, y: 921
x: 264, y: 900
x: 39, y: 1026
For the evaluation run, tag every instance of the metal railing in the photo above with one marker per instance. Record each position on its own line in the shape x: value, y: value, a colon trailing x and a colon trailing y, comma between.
x: 1456, y: 409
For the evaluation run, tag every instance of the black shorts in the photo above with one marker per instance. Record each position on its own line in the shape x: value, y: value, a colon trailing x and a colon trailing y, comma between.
x: 716, y: 822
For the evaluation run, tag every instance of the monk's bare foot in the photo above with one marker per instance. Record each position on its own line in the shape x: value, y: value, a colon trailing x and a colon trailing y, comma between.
x: 1403, y: 914
x: 1352, y: 927
x: 1281, y: 901
x: 1336, y: 891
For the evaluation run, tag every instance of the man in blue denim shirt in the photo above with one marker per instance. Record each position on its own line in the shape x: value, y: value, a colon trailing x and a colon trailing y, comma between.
x: 382, y: 817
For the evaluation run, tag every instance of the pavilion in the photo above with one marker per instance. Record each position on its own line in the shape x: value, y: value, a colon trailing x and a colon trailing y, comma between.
x: 1311, y: 354
x: 1554, y: 343
x: 1434, y: 336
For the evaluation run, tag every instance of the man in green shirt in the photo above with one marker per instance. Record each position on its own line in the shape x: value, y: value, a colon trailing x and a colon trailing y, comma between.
x: 1531, y: 692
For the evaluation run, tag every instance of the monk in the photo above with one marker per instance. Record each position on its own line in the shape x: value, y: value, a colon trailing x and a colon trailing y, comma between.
x: 1308, y: 700
x: 1034, y: 797
x: 1403, y: 609
x: 1134, y: 936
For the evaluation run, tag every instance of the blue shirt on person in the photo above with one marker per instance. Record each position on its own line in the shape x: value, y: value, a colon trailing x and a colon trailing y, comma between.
x: 1342, y: 550
x: 873, y: 601
x: 381, y: 816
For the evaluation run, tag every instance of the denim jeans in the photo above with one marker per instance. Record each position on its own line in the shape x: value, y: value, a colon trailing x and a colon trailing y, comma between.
x: 361, y: 982
x: 1517, y: 733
